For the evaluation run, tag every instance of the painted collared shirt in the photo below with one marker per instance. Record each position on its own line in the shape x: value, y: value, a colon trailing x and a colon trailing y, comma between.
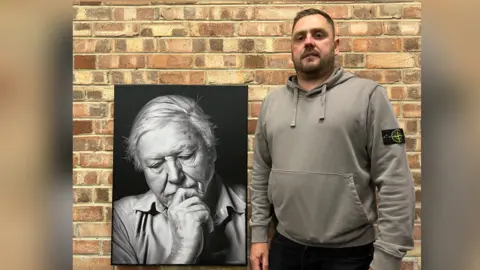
x: 141, y: 234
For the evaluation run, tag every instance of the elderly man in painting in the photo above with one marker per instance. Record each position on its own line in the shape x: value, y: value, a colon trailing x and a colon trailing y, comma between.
x: 189, y: 215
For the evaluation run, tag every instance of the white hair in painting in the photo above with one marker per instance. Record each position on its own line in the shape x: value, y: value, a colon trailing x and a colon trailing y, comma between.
x: 166, y: 109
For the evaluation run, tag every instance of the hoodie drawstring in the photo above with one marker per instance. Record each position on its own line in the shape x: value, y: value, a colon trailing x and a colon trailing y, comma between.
x: 295, y: 104
x: 323, y: 97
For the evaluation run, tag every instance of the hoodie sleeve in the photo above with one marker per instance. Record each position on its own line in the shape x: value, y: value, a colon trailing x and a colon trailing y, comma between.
x: 262, y: 162
x: 392, y: 177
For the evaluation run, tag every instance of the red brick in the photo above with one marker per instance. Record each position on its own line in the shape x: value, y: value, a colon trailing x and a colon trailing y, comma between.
x: 75, y: 160
x: 414, y: 92
x: 108, y: 213
x: 261, y: 29
x: 82, y: 195
x: 345, y: 44
x: 172, y: 13
x: 85, y: 178
x: 175, y: 45
x: 274, y: 77
x: 216, y: 45
x: 82, y: 127
x: 87, y: 213
x: 414, y: 161
x: 396, y: 109
x: 89, y: 263
x: 230, y: 76
x: 407, y: 265
x: 279, y: 61
x: 203, y: 29
x: 399, y: 28
x: 255, y: 109
x: 380, y: 76
x: 231, y: 13
x: 411, y: 110
x: 398, y: 60
x: 84, y: 61
x: 411, y: 126
x: 108, y: 143
x: 389, y: 11
x: 252, y: 124
x: 182, y: 77
x: 102, y: 195
x: 115, y: 29
x: 106, y: 247
x: 88, y: 143
x: 256, y: 93
x: 412, y: 12
x: 170, y: 61
x: 81, y: 247
x: 418, y: 195
x: 396, y: 92
x: 103, y: 127
x: 106, y: 178
x: 96, y: 160
x: 281, y: 44
x: 121, y: 61
x: 412, y: 144
x: 411, y: 76
x: 363, y: 11
x: 91, y: 45
x: 90, y: 229
x: 135, y: 45
x: 81, y: 110
x: 359, y: 28
x: 412, y: 44
x: 134, y: 77
x: 254, y: 61
x: 377, y: 45
x: 417, y: 178
x: 417, y: 232
x: 92, y: 13
x: 354, y: 60
x: 82, y: 29
x: 287, y: 13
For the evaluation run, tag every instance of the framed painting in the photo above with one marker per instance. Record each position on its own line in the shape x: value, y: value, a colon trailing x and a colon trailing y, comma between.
x: 180, y: 175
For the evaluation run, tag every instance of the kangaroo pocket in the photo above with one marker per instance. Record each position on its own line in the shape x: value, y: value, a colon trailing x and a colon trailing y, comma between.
x: 317, y: 207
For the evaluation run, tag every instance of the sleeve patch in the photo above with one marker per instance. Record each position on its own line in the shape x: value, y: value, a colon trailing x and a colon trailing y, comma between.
x: 393, y: 136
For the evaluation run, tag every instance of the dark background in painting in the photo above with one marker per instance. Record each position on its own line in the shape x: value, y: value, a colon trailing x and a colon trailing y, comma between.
x: 226, y: 105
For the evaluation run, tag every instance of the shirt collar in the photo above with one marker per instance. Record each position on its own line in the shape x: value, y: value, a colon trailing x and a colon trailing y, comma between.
x: 227, y: 199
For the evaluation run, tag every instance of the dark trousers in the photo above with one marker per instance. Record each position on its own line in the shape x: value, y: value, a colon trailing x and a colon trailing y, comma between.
x: 285, y: 254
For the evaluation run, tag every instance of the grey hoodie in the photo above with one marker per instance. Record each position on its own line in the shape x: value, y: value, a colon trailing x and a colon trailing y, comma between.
x: 318, y: 157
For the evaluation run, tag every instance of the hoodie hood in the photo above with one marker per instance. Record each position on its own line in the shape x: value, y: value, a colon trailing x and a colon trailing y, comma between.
x: 338, y: 76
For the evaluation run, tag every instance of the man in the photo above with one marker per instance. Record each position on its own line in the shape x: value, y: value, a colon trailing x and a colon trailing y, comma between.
x: 323, y: 143
x: 189, y: 215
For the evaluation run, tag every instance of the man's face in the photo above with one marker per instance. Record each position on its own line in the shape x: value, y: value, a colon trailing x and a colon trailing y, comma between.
x: 173, y: 157
x: 313, y: 45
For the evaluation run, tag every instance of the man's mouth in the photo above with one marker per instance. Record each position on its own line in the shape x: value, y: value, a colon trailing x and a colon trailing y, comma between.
x: 310, y: 54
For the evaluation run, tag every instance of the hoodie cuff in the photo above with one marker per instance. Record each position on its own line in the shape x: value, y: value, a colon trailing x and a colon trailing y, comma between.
x: 259, y: 234
x: 384, y: 261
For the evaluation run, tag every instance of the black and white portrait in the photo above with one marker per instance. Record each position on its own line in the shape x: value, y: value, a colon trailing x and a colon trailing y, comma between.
x: 180, y: 175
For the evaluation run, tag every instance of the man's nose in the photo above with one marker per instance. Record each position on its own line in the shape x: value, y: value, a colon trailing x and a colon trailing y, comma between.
x: 308, y: 40
x: 173, y: 170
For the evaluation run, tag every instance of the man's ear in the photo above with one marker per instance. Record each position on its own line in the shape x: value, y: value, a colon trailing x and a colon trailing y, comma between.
x: 336, y: 43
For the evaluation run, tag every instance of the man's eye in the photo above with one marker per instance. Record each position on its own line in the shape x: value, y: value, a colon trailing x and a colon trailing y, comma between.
x: 186, y: 156
x: 155, y: 165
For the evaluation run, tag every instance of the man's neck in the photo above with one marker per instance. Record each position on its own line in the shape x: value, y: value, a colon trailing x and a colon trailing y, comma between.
x: 308, y: 82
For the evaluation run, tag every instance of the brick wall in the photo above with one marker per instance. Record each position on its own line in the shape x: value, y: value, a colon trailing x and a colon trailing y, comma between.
x: 143, y: 42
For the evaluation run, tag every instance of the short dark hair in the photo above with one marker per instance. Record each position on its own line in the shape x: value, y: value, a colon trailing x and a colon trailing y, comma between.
x: 313, y: 11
